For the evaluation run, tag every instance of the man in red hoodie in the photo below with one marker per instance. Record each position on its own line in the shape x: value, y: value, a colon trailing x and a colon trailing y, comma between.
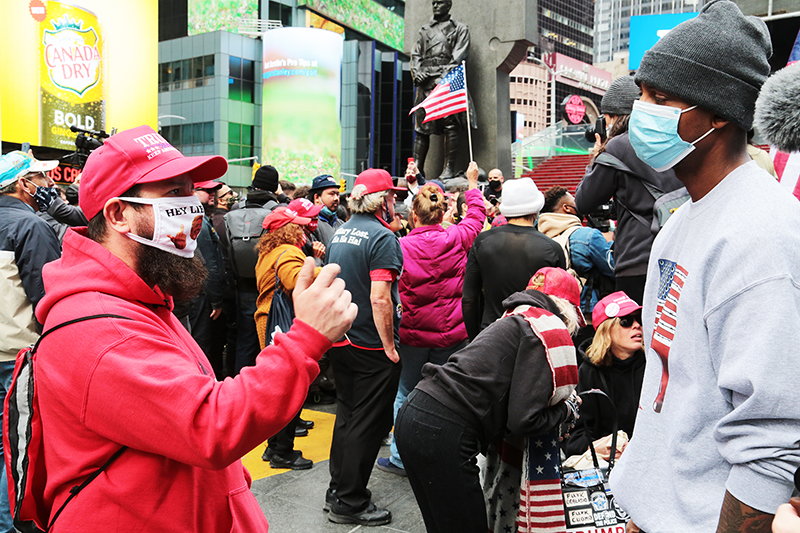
x: 141, y: 381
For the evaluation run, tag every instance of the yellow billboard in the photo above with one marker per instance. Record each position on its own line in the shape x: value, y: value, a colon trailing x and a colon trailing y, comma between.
x: 90, y: 64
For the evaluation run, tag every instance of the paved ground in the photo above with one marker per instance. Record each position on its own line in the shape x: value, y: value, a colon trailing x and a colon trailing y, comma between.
x: 293, y: 500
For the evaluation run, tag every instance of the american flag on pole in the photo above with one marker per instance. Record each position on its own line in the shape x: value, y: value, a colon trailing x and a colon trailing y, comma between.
x: 672, y: 277
x: 447, y: 98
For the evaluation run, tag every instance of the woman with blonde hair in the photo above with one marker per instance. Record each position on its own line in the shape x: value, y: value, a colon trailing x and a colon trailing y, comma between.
x: 614, y: 363
x: 280, y: 259
x: 430, y: 288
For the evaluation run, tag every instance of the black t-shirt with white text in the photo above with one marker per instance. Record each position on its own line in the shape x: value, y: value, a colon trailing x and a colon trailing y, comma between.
x: 360, y: 246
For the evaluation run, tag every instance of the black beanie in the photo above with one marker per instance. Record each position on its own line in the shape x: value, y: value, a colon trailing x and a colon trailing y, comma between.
x: 266, y: 178
x: 717, y: 60
x: 619, y: 97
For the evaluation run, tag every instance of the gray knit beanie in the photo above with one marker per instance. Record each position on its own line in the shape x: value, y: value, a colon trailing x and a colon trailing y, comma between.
x: 717, y: 60
x: 619, y: 97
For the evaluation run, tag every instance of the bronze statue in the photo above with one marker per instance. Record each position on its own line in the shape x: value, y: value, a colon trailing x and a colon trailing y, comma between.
x: 442, y: 45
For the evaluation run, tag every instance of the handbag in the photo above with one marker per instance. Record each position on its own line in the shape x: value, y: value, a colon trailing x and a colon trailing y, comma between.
x: 588, y: 502
x: 281, y: 311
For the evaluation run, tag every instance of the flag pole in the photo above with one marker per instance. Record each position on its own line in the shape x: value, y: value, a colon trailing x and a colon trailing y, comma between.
x: 469, y: 128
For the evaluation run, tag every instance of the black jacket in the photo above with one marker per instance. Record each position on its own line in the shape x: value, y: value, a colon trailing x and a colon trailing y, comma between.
x: 502, y: 380
x: 211, y: 251
x: 622, y: 381
x: 500, y: 263
x: 633, y: 240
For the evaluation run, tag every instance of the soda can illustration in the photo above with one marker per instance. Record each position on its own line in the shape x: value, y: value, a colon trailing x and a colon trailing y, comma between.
x: 71, y: 73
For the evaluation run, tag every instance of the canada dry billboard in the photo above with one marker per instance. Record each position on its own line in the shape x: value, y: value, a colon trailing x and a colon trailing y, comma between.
x: 91, y: 65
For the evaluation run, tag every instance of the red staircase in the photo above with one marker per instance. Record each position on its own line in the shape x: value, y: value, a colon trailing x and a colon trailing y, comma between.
x: 562, y: 170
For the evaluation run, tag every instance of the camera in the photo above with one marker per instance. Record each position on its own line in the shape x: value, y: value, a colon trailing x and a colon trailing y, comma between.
x: 86, y: 142
x: 599, y: 129
x: 601, y: 217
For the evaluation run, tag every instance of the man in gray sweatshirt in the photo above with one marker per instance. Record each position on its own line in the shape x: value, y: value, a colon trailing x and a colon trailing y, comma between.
x: 716, y: 443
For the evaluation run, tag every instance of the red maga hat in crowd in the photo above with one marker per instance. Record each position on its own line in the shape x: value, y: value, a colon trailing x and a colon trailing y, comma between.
x: 282, y: 215
x: 138, y: 155
x: 614, y: 305
x: 305, y: 207
x: 373, y: 180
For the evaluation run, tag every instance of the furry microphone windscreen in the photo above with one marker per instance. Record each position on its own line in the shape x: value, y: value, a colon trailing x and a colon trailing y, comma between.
x: 778, y: 109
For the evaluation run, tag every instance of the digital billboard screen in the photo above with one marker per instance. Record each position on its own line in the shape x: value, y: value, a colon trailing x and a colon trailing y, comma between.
x: 212, y: 15
x: 302, y: 136
x: 365, y: 16
x: 93, y: 66
x: 646, y: 30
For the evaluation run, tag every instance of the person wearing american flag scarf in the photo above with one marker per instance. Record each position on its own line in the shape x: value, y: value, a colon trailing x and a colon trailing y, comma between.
x: 517, y: 378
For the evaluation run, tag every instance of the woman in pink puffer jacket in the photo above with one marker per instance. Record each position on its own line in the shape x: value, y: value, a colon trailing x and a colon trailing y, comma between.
x: 430, y: 288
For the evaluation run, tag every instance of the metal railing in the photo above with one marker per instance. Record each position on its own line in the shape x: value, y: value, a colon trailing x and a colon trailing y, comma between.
x: 551, y: 141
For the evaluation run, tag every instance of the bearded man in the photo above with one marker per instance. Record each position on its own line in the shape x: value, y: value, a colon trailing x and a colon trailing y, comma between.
x: 134, y: 379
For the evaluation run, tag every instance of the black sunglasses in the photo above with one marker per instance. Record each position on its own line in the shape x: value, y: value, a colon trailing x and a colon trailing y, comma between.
x: 627, y: 321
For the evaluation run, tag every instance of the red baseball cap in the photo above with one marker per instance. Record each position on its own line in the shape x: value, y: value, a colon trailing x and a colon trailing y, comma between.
x: 207, y: 185
x: 373, y: 180
x: 560, y: 283
x: 304, y: 207
x: 138, y: 155
x: 614, y: 305
x: 282, y: 215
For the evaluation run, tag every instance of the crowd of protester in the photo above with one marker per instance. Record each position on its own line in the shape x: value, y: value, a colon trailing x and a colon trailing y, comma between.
x: 466, y: 315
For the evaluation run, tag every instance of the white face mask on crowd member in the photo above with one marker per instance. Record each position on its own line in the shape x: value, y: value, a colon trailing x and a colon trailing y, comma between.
x: 176, y: 225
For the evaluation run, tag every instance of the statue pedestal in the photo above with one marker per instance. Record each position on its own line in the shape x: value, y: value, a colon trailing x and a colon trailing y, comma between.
x: 500, y: 34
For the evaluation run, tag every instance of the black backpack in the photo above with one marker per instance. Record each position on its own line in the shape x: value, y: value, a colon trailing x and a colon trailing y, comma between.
x: 243, y: 227
x: 22, y: 438
x: 665, y: 204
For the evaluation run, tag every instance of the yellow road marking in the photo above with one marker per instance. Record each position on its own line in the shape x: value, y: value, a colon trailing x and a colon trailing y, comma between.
x: 316, y: 446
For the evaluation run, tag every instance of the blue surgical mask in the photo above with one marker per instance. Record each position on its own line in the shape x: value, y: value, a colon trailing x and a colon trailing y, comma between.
x: 653, y: 132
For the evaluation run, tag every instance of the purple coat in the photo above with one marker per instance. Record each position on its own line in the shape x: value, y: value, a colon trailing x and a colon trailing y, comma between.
x: 433, y: 275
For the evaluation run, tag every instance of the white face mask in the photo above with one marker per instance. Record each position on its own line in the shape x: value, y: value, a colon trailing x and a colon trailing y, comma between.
x: 177, y: 223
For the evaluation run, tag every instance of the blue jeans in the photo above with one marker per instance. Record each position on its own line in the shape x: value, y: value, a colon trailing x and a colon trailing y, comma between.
x: 6, y: 522
x: 413, y: 360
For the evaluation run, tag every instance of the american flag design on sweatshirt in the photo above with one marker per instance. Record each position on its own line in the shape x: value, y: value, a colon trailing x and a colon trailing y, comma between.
x: 672, y: 278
